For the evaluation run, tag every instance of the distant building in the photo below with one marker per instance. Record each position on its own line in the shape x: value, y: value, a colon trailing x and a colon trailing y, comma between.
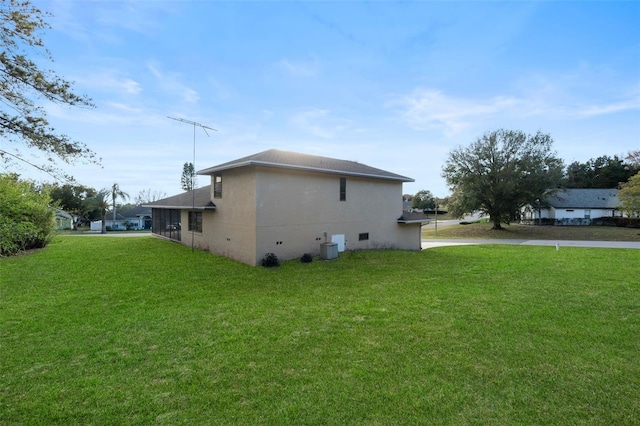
x: 575, y: 206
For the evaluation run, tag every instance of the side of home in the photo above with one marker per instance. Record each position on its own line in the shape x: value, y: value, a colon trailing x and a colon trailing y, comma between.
x: 288, y: 204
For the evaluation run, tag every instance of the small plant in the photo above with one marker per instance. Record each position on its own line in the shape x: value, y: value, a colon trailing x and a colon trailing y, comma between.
x: 306, y: 258
x: 270, y: 260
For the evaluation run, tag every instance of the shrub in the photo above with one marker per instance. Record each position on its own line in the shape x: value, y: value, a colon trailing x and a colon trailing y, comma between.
x: 270, y: 260
x: 306, y: 258
x: 627, y: 222
x: 26, y: 221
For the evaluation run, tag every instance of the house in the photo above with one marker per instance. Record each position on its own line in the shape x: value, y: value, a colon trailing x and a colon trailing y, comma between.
x: 575, y: 206
x: 63, y: 219
x: 288, y: 204
x: 138, y: 217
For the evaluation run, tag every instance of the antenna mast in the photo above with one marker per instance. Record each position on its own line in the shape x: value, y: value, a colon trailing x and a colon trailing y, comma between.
x: 193, y: 180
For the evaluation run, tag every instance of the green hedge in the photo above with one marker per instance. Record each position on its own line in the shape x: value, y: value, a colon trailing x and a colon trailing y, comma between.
x: 26, y: 220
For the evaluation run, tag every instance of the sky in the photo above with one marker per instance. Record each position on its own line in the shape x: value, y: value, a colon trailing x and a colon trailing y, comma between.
x: 395, y: 85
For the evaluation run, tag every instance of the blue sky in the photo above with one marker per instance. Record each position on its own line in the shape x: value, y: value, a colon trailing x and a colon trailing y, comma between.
x: 392, y: 84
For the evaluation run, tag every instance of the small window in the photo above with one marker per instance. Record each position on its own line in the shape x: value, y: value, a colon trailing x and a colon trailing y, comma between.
x: 217, y: 185
x: 363, y: 236
x: 195, y: 221
x: 569, y: 210
x: 587, y: 214
x: 343, y: 189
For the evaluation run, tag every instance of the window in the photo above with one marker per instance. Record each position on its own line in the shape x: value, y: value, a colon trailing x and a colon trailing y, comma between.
x: 587, y: 214
x: 195, y: 221
x: 343, y: 189
x: 217, y: 185
x: 363, y: 236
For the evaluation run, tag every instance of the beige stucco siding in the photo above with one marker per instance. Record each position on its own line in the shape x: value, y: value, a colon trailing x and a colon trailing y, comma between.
x: 295, y: 208
x: 229, y: 230
x: 287, y: 212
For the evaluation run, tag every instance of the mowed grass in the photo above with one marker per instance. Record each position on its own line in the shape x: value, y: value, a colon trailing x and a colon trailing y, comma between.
x: 142, y: 331
x: 530, y: 232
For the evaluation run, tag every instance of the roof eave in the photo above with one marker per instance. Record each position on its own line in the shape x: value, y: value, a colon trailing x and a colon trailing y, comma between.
x: 212, y: 170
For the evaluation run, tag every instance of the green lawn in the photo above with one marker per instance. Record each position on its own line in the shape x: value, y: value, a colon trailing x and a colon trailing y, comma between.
x: 529, y: 232
x: 140, y: 331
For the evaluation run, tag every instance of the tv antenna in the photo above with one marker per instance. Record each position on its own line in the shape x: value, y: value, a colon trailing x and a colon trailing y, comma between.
x: 193, y: 177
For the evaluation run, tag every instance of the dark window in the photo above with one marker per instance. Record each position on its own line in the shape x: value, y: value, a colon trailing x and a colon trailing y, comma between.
x: 195, y: 221
x: 343, y: 189
x: 166, y: 222
x: 217, y: 186
x: 363, y: 236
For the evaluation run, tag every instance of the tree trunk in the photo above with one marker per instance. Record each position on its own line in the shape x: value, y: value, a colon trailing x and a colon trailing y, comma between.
x: 104, y: 225
x: 496, y: 226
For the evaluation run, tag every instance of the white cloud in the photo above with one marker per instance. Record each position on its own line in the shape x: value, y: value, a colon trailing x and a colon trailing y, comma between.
x: 172, y: 83
x: 319, y: 122
x: 424, y: 109
x: 608, y: 108
x: 109, y: 81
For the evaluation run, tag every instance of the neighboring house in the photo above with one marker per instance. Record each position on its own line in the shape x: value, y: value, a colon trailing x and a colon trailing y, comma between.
x: 288, y: 204
x: 63, y: 219
x: 575, y: 206
x: 137, y: 218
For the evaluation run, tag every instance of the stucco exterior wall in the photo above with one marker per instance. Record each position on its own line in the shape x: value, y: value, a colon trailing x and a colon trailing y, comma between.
x: 287, y: 212
x: 580, y: 213
x: 295, y: 208
x: 230, y: 229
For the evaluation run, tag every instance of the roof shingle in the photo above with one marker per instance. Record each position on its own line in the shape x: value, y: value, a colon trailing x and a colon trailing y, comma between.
x: 293, y: 160
x: 582, y: 198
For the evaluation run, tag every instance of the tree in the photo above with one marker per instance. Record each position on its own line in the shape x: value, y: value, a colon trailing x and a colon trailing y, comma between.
x: 633, y: 160
x: 101, y: 202
x: 601, y: 172
x: 23, y: 84
x: 629, y: 196
x: 71, y: 198
x: 423, y: 200
x: 149, y: 196
x: 116, y: 193
x: 26, y: 220
x: 500, y: 172
x: 188, y: 180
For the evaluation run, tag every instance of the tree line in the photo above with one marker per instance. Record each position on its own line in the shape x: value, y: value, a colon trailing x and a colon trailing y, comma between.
x: 504, y: 170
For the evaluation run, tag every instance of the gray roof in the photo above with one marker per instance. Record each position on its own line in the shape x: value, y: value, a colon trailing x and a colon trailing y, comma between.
x: 137, y: 211
x: 186, y: 200
x: 579, y: 198
x: 412, y: 217
x: 293, y: 160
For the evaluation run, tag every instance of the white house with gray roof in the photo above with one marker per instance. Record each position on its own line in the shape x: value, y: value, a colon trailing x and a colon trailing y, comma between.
x: 288, y: 204
x: 576, y: 206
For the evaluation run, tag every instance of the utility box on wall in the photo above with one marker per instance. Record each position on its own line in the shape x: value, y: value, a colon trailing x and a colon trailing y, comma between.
x: 328, y: 251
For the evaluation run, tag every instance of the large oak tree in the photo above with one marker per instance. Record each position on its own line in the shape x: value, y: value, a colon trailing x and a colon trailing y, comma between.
x: 25, y: 88
x: 500, y: 172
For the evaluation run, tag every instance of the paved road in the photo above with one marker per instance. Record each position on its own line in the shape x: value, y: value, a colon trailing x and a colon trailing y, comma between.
x: 430, y: 243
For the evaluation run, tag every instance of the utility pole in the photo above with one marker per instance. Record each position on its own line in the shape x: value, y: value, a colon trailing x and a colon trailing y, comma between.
x: 193, y: 190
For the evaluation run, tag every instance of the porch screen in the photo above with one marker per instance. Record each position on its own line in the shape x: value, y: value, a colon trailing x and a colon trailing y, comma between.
x: 166, y: 222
